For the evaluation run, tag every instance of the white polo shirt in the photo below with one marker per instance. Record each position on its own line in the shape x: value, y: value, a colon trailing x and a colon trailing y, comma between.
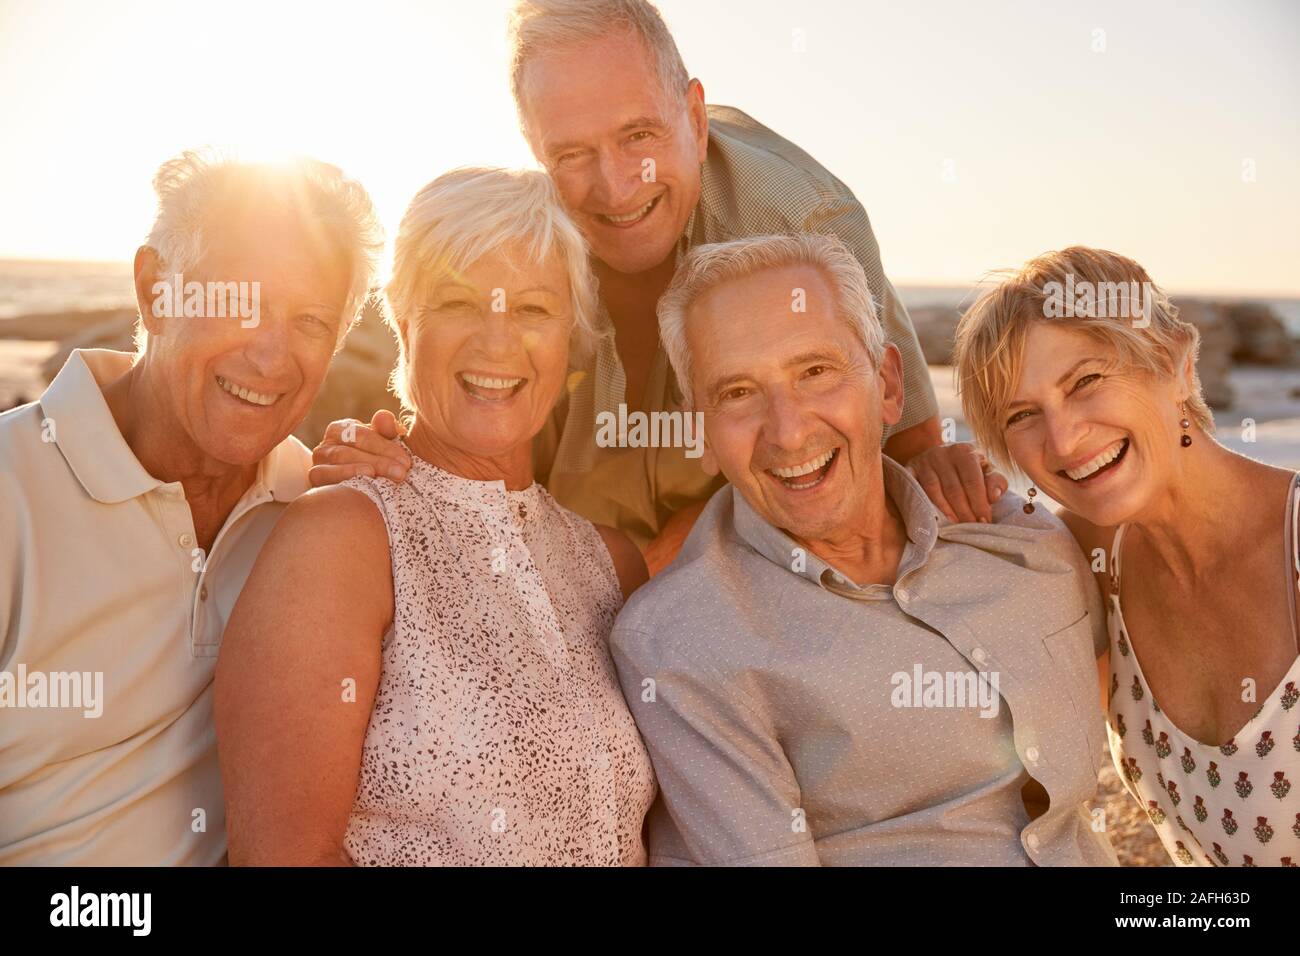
x: 101, y: 581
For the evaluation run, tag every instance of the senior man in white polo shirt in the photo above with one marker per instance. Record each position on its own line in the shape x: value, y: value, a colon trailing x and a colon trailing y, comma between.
x: 135, y: 495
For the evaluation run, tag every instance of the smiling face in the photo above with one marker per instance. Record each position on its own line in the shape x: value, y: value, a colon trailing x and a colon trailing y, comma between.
x: 235, y: 391
x: 600, y: 123
x: 1095, y: 435
x: 487, y: 352
x: 793, y: 409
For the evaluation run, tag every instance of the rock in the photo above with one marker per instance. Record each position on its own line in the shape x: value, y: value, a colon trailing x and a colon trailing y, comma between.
x: 935, y: 328
x: 114, y: 331
x: 1262, y: 338
x: 1218, y: 340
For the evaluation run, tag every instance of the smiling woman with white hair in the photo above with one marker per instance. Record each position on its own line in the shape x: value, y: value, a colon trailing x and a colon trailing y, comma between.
x: 418, y: 673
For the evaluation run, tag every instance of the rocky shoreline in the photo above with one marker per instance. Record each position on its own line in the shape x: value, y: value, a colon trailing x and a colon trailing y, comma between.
x: 1232, y: 333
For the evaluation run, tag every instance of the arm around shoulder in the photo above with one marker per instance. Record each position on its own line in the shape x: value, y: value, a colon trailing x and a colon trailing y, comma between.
x: 296, y: 680
x: 628, y: 561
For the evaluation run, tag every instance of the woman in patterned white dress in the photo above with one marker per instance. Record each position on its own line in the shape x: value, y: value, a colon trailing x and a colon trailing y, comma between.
x: 418, y: 673
x: 1093, y: 394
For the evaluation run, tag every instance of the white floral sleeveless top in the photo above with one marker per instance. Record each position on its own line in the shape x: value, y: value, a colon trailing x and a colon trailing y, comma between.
x: 1234, y: 805
x: 499, y: 734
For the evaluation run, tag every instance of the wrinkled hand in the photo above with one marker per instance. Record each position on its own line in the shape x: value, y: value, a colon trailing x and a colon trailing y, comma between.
x: 959, y: 480
x: 351, y: 448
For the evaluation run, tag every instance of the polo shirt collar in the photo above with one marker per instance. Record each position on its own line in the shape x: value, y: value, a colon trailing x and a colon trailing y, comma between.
x: 921, y: 519
x: 85, y: 431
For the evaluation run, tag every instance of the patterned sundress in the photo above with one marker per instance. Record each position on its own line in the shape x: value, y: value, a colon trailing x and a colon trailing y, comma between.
x: 1232, y: 805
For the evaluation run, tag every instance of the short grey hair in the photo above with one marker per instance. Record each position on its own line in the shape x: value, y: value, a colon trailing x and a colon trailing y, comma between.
x: 710, y: 265
x: 462, y: 216
x: 198, y: 187
x: 540, y: 25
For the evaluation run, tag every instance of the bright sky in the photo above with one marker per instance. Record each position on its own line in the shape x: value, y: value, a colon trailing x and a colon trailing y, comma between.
x: 976, y: 134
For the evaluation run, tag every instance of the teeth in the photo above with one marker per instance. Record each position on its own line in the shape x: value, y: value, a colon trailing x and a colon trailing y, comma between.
x: 484, y: 382
x: 806, y: 468
x: 1105, y: 458
x: 633, y: 216
x: 248, y: 395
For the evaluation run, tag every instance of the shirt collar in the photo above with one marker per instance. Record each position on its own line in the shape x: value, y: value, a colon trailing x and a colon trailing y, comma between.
x: 86, y: 434
x: 920, y: 518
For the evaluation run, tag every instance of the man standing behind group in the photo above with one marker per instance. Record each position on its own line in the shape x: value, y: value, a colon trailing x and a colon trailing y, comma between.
x: 648, y: 171
x: 136, y: 494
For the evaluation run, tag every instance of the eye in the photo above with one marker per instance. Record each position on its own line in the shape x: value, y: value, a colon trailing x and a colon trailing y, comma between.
x: 731, y: 394
x: 816, y: 370
x: 315, y: 325
x: 536, y: 311
x: 1018, y: 417
x: 567, y: 159
x: 641, y: 136
x: 1085, y: 381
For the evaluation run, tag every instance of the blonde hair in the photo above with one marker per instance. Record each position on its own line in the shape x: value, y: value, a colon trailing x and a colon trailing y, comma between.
x: 540, y: 25
x: 990, y: 343
x: 708, y: 265
x: 462, y: 216
x: 198, y: 189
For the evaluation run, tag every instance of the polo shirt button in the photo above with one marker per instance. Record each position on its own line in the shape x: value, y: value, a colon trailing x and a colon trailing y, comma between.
x: 203, y: 593
x: 186, y: 540
x: 901, y: 594
x: 1032, y: 841
x: 1031, y: 754
x: 979, y: 656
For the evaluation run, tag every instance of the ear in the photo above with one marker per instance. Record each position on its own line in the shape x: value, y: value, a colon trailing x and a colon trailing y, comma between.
x: 699, y: 115
x: 708, y: 460
x: 891, y: 384
x: 1188, y: 377
x: 151, y: 299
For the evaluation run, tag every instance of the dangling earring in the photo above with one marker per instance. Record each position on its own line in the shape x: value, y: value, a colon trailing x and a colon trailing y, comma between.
x: 1029, y: 505
x: 1186, y: 439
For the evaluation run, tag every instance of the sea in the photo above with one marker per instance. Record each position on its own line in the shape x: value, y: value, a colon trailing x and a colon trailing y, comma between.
x: 32, y: 287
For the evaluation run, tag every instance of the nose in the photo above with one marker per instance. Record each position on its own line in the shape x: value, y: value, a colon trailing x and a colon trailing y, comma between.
x: 788, y: 425
x: 1064, y: 433
x: 498, y: 336
x: 268, y: 349
x: 618, y: 178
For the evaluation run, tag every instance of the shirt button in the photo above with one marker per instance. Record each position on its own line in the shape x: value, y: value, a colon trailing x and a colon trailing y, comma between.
x: 203, y: 593
x: 901, y: 594
x: 186, y: 540
x: 1032, y: 841
x: 979, y: 656
x: 1031, y: 754
x: 602, y: 761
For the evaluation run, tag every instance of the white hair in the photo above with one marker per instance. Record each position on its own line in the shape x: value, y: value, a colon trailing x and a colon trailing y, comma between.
x: 709, y: 265
x: 462, y: 216
x: 540, y: 25
x: 198, y: 189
